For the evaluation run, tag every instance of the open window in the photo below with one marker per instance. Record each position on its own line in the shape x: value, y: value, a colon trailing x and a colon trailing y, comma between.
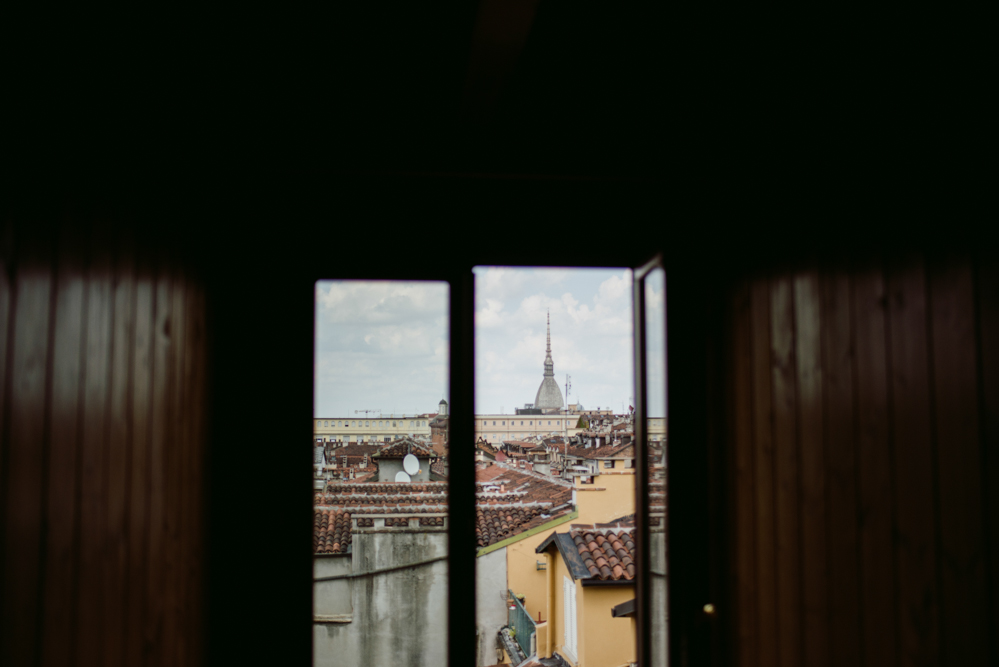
x: 510, y: 442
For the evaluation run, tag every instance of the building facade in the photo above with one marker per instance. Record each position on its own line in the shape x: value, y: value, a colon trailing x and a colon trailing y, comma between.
x: 384, y: 428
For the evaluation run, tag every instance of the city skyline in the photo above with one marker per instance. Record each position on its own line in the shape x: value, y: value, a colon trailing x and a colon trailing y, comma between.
x: 383, y: 345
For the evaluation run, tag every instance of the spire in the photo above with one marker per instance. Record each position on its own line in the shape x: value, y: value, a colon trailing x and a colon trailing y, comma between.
x: 549, y: 364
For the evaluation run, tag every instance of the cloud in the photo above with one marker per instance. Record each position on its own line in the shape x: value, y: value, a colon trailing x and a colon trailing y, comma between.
x: 591, y: 320
x: 380, y: 345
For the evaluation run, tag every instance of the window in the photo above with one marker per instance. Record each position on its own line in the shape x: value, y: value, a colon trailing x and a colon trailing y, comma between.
x: 608, y: 464
x: 569, y: 613
x: 569, y: 587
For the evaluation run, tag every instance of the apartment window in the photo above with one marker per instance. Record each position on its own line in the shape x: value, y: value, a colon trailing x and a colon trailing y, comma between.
x: 502, y: 423
x: 608, y: 464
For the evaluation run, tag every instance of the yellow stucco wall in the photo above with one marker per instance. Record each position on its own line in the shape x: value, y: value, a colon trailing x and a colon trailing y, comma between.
x: 611, y: 496
x: 522, y: 573
x: 604, y: 641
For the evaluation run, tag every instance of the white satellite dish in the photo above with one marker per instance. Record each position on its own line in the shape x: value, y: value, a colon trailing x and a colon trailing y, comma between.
x: 411, y: 464
x: 402, y: 477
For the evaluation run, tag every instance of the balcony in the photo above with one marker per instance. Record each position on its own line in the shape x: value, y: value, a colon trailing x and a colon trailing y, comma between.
x: 521, y: 625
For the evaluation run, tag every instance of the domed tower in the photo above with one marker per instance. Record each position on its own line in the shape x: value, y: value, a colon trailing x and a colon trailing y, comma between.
x: 549, y: 395
x: 442, y: 408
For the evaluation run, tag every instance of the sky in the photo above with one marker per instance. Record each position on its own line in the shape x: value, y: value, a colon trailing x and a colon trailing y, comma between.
x: 383, y: 345
x: 591, y: 324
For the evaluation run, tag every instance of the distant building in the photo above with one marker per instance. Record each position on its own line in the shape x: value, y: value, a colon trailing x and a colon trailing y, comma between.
x: 384, y: 428
x: 549, y: 397
x: 439, y: 429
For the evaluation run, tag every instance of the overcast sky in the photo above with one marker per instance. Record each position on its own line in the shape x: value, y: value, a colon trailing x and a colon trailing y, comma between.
x: 380, y: 345
x: 384, y: 345
x: 591, y: 335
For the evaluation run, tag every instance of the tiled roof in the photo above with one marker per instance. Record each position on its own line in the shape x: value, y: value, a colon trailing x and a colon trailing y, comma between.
x: 608, y: 554
x: 382, y: 497
x: 439, y: 467
x: 403, y: 446
x: 607, y: 451
x: 341, y: 500
x: 510, y: 501
x: 330, y: 531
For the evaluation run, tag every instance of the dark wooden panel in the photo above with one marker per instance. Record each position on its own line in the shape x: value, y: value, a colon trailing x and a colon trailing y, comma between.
x: 787, y: 471
x: 963, y: 595
x: 7, y: 270
x: 987, y: 284
x: 174, y: 484
x: 92, y: 484
x: 65, y: 413
x: 116, y: 472
x: 915, y: 548
x: 160, y: 437
x: 763, y: 454
x: 744, y: 542
x: 138, y: 496
x: 874, y: 468
x: 840, y: 438
x: 814, y: 567
x: 24, y: 447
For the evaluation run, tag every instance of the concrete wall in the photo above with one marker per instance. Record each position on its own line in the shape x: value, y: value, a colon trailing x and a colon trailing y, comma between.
x: 331, y: 600
x: 399, y: 617
x: 490, y: 606
x: 387, y: 468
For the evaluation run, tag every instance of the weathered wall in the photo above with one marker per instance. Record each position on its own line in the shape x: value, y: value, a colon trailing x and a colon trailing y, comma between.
x: 490, y: 606
x: 332, y: 600
x: 400, y: 616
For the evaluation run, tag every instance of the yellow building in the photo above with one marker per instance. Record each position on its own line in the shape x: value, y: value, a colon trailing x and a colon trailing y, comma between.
x: 606, y: 493
x: 383, y: 428
x: 590, y: 571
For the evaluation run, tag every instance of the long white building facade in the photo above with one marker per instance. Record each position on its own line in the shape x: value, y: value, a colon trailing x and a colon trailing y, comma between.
x: 383, y: 428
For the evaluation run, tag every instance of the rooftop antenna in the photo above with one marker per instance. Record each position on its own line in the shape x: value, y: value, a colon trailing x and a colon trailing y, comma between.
x: 367, y: 412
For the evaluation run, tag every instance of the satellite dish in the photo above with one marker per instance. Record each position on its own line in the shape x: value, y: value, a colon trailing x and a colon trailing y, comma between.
x: 402, y: 477
x: 411, y: 464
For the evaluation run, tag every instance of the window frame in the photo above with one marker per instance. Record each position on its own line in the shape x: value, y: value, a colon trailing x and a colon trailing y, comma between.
x: 461, y: 484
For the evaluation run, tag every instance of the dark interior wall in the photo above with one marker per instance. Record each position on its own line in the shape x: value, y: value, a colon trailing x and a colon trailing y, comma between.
x: 860, y: 447
x: 103, y: 353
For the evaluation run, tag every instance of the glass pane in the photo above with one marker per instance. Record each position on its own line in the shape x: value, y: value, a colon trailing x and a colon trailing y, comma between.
x: 658, y: 431
x: 555, y: 494
x: 380, y: 440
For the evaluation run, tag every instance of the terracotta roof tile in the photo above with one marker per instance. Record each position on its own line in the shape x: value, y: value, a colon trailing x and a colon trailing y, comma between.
x: 403, y: 446
x: 330, y: 531
x: 608, y: 553
x: 510, y: 501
